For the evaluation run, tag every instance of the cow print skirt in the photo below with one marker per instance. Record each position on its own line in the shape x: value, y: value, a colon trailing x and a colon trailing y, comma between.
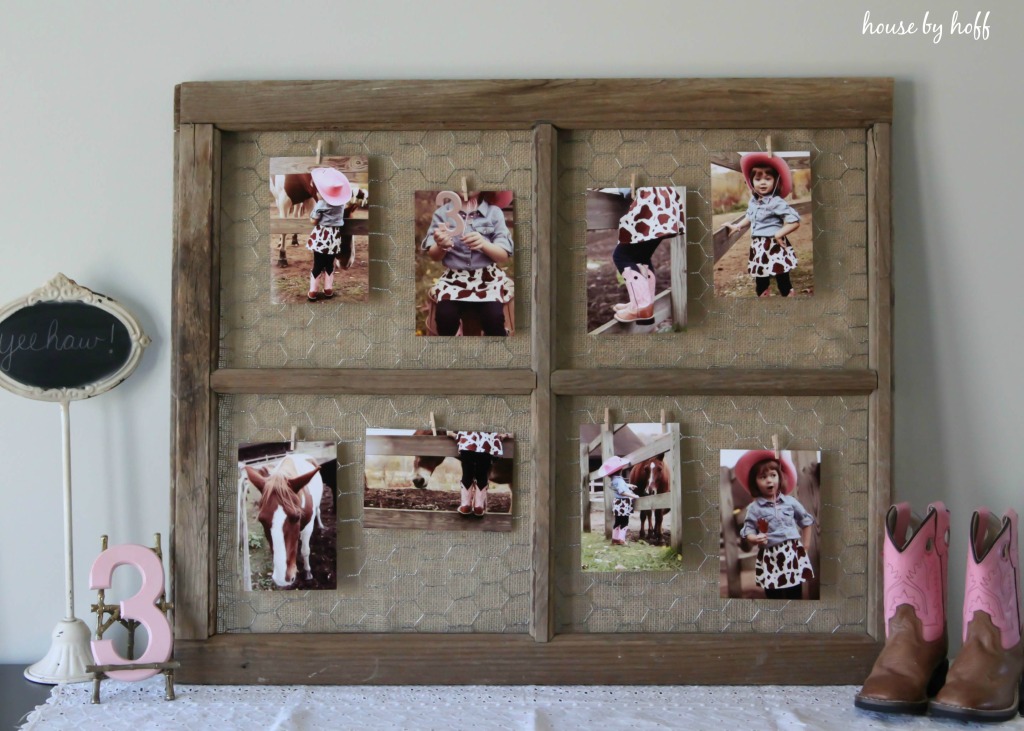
x: 783, y: 565
x: 768, y: 257
x: 489, y: 284
x: 325, y: 239
x: 622, y: 507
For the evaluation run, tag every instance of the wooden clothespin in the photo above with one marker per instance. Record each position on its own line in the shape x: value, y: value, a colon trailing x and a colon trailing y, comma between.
x: 464, y: 189
x: 319, y: 150
x: 632, y: 185
x: 768, y: 144
x: 294, y: 440
x: 663, y: 421
x: 433, y: 424
x: 607, y: 420
x: 775, y: 446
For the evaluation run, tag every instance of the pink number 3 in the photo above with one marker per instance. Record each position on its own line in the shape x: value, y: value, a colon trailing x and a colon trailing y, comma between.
x: 141, y: 607
x: 452, y: 220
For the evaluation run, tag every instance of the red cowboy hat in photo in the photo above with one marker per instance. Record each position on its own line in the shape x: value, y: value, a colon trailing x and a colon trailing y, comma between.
x: 499, y: 198
x: 333, y: 185
x: 612, y: 466
x: 754, y: 456
x: 778, y: 164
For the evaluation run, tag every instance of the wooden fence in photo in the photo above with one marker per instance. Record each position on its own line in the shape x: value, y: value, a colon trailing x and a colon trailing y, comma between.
x: 399, y: 445
x: 603, y: 213
x: 667, y: 444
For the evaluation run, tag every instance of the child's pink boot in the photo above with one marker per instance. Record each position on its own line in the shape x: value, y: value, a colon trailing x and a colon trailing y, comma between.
x: 314, y: 287
x: 652, y: 284
x: 480, y: 502
x: 912, y: 665
x: 984, y: 681
x: 328, y: 285
x: 641, y: 309
x: 617, y: 537
x: 466, y: 501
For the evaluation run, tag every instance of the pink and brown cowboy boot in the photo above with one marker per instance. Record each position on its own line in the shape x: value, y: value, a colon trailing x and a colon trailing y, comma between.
x: 984, y: 681
x: 912, y: 665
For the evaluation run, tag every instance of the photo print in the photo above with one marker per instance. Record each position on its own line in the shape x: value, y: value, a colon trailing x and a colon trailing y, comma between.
x: 771, y: 536
x: 464, y: 272
x: 629, y: 489
x: 636, y: 248
x: 454, y: 480
x: 761, y: 218
x: 287, y: 515
x: 319, y: 243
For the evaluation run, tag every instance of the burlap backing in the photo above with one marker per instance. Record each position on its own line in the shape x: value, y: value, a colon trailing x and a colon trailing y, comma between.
x: 829, y: 329
x: 689, y: 600
x: 379, y: 333
x: 388, y: 580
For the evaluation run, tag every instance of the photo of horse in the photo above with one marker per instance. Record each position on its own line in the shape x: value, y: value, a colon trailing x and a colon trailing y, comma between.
x: 451, y: 480
x: 630, y: 484
x: 326, y: 259
x: 771, y: 534
x: 287, y: 515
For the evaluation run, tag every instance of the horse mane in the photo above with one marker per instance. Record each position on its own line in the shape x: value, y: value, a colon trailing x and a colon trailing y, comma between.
x: 277, y: 485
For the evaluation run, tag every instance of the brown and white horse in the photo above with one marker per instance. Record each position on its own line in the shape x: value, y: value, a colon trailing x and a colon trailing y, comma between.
x: 651, y: 477
x: 289, y: 502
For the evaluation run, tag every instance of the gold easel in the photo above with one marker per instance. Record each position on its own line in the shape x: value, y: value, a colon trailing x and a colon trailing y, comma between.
x: 107, y: 615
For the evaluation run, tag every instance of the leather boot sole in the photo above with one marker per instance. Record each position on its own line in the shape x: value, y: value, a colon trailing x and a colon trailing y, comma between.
x: 962, y: 713
x: 905, y: 707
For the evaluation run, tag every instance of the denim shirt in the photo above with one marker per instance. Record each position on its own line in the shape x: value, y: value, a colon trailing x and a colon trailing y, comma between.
x: 487, y: 220
x: 766, y: 215
x: 785, y: 519
x: 328, y: 215
x: 621, y: 488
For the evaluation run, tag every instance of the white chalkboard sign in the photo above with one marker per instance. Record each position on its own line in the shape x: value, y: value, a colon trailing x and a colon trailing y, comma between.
x: 64, y: 342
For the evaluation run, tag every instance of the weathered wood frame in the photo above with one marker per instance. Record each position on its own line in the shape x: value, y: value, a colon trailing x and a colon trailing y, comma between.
x: 204, y: 110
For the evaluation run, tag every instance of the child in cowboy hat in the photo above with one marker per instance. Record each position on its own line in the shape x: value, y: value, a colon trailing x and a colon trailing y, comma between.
x: 776, y: 523
x: 326, y: 240
x: 771, y: 220
x: 622, y: 505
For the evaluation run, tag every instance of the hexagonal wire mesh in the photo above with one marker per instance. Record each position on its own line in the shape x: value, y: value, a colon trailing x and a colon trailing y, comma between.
x: 379, y: 333
x: 689, y: 600
x: 829, y: 329
x: 389, y: 580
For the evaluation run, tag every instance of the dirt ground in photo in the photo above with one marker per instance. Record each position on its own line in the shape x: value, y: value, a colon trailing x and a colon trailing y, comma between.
x: 289, y: 284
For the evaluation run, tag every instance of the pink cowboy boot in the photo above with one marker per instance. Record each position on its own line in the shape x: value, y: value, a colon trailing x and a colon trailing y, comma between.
x: 328, y: 285
x: 617, y: 537
x: 912, y: 665
x: 652, y: 284
x: 984, y: 681
x: 314, y: 287
x: 641, y: 309
x: 480, y: 501
x: 467, y: 497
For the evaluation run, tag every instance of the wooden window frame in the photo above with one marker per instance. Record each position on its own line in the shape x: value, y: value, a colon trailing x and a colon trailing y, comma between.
x: 204, y: 110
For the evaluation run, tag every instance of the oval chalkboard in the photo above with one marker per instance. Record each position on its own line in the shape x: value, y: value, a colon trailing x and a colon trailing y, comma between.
x: 67, y: 342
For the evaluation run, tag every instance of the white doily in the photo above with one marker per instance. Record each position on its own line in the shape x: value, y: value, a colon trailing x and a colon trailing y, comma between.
x: 141, y: 707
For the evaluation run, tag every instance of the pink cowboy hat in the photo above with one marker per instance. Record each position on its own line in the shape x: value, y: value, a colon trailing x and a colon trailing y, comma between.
x: 499, y: 198
x: 751, y: 458
x: 778, y: 164
x: 333, y: 185
x: 612, y: 466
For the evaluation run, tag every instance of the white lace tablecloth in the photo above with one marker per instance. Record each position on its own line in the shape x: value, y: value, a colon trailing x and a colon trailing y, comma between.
x: 140, y: 707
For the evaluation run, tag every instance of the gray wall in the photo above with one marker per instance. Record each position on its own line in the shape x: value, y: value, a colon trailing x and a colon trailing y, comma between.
x: 86, y: 98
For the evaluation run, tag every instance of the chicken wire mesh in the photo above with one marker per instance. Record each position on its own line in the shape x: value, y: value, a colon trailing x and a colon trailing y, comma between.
x: 829, y: 329
x: 380, y: 333
x: 688, y: 600
x: 388, y: 580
